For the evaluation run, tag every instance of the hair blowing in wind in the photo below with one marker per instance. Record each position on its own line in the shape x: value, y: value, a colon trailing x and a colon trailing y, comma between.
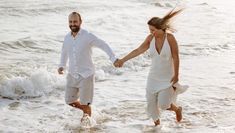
x: 165, y: 22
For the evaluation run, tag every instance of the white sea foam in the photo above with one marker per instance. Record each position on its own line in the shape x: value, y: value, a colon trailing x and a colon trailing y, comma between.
x: 32, y: 93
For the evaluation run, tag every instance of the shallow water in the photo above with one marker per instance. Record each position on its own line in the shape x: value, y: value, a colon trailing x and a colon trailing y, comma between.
x: 32, y: 93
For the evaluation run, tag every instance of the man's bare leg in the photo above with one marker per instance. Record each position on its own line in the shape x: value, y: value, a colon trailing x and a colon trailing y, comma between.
x: 157, y: 122
x: 177, y: 110
x: 85, y: 108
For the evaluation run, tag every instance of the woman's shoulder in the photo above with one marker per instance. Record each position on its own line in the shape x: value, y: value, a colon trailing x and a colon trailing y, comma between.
x: 170, y: 35
x: 171, y: 41
x: 171, y: 38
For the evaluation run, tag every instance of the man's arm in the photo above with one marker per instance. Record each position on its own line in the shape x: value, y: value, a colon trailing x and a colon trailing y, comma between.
x: 63, y: 59
x: 104, y: 46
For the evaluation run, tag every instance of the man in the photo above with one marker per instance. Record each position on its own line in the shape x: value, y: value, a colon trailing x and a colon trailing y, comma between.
x: 77, y: 47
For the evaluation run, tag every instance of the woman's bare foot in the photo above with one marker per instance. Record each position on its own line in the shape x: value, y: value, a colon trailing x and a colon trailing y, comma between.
x: 157, y: 122
x: 178, y: 113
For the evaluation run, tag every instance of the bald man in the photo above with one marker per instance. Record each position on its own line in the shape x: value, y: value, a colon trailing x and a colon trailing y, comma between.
x: 77, y: 48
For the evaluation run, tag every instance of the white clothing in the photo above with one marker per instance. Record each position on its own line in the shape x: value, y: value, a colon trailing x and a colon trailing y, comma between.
x: 78, y: 50
x: 81, y: 88
x: 180, y: 88
x: 160, y: 100
x: 162, y: 68
x: 159, y: 91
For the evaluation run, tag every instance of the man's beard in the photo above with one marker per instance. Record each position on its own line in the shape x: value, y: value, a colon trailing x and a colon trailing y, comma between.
x: 74, y: 28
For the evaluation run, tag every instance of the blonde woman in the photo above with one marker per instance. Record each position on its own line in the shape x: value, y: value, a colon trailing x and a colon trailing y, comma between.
x: 164, y: 71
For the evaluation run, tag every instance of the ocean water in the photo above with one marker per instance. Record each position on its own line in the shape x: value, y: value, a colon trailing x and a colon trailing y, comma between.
x: 32, y: 93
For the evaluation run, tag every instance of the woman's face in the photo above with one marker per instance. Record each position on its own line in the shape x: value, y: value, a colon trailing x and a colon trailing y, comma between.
x: 153, y: 30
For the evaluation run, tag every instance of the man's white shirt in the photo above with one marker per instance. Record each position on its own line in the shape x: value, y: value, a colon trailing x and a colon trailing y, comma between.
x: 78, y: 50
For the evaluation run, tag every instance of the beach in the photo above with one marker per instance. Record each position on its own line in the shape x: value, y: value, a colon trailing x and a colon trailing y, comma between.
x: 32, y: 92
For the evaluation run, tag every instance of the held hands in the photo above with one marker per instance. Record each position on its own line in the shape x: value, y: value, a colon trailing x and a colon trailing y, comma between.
x: 118, y: 63
x: 61, y: 70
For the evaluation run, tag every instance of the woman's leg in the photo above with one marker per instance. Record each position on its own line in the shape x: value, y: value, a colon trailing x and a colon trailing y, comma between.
x: 152, y: 107
x: 166, y: 101
x: 177, y: 110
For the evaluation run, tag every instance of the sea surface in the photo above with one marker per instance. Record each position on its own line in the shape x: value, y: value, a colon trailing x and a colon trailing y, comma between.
x: 32, y: 93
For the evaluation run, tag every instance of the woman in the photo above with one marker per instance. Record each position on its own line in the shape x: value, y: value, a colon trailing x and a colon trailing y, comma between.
x: 164, y: 71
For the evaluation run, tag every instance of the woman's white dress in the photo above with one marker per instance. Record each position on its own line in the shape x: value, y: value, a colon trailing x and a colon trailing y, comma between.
x: 159, y: 91
x: 162, y: 68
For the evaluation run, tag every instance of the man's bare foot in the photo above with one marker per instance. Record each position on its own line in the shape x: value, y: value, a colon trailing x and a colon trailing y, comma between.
x: 178, y: 113
x: 86, y: 109
x: 157, y: 122
x: 86, y: 121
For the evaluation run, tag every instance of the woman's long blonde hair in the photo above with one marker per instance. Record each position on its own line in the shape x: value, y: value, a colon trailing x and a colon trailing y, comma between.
x: 165, y: 22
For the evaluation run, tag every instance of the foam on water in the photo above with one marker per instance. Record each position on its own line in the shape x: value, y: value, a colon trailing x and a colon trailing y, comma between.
x: 38, y: 84
x: 32, y: 93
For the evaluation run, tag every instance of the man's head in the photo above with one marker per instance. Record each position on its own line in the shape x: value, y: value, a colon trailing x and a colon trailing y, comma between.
x: 75, y: 21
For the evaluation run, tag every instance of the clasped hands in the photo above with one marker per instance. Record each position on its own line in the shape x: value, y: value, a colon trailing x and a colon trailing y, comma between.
x: 118, y: 63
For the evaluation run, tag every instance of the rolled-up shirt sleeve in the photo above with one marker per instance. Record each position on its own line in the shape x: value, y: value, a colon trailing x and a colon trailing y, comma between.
x: 64, y: 56
x: 95, y: 41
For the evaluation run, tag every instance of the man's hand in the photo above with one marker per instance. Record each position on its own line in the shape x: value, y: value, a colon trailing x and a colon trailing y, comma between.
x: 60, y: 70
x: 118, y: 63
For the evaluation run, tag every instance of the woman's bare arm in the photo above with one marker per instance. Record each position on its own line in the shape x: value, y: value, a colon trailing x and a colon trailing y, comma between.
x: 141, y: 49
x: 175, y: 55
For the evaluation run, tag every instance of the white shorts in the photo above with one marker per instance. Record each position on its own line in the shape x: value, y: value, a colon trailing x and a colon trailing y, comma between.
x: 79, y: 88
